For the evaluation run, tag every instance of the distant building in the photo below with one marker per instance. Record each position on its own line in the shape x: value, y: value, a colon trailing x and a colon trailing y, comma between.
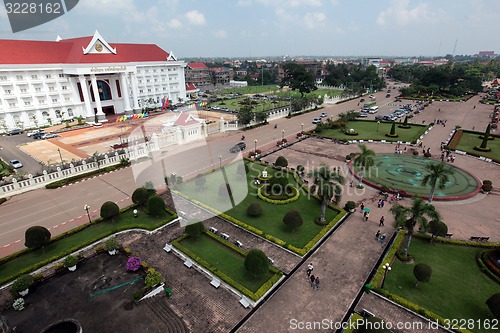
x: 486, y: 54
x: 47, y: 82
x: 371, y: 61
x: 198, y: 74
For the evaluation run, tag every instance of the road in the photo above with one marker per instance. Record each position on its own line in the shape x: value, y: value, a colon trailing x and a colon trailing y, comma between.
x: 62, y: 209
x: 10, y: 151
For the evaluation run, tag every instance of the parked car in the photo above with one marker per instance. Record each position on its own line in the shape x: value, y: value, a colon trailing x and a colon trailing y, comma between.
x: 30, y: 133
x: 15, y: 131
x: 38, y: 136
x: 362, y: 100
x: 363, y: 114
x: 238, y: 147
x: 387, y: 95
x: 49, y: 136
x: 16, y: 164
x: 380, y: 117
x: 324, y: 114
x: 316, y: 120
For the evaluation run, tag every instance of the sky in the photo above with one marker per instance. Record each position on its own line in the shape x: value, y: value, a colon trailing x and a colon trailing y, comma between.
x: 259, y: 28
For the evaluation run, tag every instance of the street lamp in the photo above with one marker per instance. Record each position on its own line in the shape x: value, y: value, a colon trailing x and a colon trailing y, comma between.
x: 378, y: 123
x: 386, y: 268
x: 220, y: 161
x: 60, y: 156
x: 282, y: 134
x: 302, y: 128
x: 87, y: 208
x: 136, y: 213
x: 255, y: 146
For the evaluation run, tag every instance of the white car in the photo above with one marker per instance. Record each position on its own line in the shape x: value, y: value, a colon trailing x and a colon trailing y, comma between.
x: 316, y: 120
x: 363, y: 115
x: 30, y: 133
x: 324, y: 114
x: 16, y: 164
x: 49, y: 136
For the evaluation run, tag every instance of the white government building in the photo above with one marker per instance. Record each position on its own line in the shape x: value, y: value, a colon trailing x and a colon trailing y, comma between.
x: 47, y: 82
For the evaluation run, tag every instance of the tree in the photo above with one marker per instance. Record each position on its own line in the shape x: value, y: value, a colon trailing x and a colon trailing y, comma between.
x: 36, y: 237
x: 293, y: 219
x: 140, y: 196
x: 277, y: 185
x: 281, y: 162
x: 486, y: 136
x: 200, y: 181
x: 408, y: 217
x: 365, y: 159
x: 298, y: 78
x: 109, y: 210
x: 327, y: 187
x: 256, y: 262
x: 393, y: 129
x: 422, y: 273
x: 437, y: 229
x: 194, y: 230
x: 494, y: 305
x: 156, y: 206
x: 245, y: 115
x: 437, y: 176
x: 254, y: 209
x: 261, y: 117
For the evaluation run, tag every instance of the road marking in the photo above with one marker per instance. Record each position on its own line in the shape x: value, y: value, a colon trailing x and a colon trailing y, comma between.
x: 17, y: 241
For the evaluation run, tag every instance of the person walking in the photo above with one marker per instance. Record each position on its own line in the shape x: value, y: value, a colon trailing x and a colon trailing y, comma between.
x: 312, y: 279
x: 316, y: 283
x: 382, y: 203
x: 309, y: 270
x: 379, y: 205
x: 377, y: 235
x: 362, y: 207
x: 381, y: 222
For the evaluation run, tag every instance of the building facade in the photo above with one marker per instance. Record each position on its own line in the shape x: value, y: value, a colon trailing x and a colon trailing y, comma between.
x: 44, y: 83
x: 199, y: 74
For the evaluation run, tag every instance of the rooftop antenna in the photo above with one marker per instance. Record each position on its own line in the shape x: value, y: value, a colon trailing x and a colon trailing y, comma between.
x: 455, y: 47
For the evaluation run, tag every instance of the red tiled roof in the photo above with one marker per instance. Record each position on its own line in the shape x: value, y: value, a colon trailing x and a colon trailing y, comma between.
x: 70, y: 51
x: 197, y: 65
x: 190, y: 87
x: 185, y: 119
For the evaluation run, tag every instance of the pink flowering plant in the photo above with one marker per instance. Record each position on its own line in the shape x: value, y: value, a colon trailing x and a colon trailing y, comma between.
x: 133, y: 264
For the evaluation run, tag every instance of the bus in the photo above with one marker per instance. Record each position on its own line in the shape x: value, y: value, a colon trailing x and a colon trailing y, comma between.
x: 369, y: 105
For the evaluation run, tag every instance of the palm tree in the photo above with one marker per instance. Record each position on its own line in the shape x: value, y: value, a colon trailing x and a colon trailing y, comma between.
x: 420, y: 213
x: 437, y: 176
x: 327, y: 185
x: 364, y: 159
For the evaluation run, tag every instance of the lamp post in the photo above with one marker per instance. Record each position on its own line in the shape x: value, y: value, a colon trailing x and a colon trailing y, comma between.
x: 220, y: 161
x: 255, y: 146
x: 378, y: 123
x: 87, y: 208
x: 282, y: 134
x: 60, y: 156
x: 386, y: 268
x: 302, y: 128
x: 136, y: 213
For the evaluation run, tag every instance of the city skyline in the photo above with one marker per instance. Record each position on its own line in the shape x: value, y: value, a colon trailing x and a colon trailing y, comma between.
x: 260, y: 28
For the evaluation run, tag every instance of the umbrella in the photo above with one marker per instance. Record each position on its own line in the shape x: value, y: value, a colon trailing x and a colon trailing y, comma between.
x: 367, y: 210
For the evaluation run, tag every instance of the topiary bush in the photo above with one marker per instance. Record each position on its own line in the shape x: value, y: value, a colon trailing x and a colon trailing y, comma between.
x: 140, y: 196
x: 256, y: 262
x: 194, y: 230
x: 486, y: 188
x: 350, y: 205
x: 109, y: 210
x: 156, y: 206
x: 36, y: 237
x: 281, y: 162
x: 422, y: 273
x: 70, y: 261
x: 293, y: 219
x: 489, y: 182
x: 415, y: 153
x: 22, y: 283
x: 427, y: 154
x: 254, y: 209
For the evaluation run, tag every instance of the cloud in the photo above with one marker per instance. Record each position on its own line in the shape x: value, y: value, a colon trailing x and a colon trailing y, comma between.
x: 400, y: 13
x: 282, y: 3
x: 194, y: 17
x: 174, y: 24
x: 117, y: 7
x: 220, y: 33
x: 314, y: 20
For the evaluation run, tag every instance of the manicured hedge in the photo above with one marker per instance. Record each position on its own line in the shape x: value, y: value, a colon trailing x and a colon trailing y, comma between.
x: 73, y: 179
x: 277, y: 201
x: 252, y: 295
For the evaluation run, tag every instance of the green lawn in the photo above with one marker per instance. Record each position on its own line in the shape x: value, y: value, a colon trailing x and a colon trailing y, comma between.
x: 315, y: 93
x: 226, y: 260
x: 371, y: 130
x: 250, y: 89
x: 262, y: 105
x: 271, y: 220
x: 469, y: 140
x: 64, y: 246
x: 457, y: 288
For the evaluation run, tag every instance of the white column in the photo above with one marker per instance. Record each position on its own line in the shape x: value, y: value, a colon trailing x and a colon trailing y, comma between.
x: 96, y: 95
x: 125, y: 91
x: 89, y: 112
x: 135, y: 91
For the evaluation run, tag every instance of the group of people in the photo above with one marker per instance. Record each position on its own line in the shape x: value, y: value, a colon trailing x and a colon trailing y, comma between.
x: 380, y: 236
x: 440, y: 122
x: 313, y: 280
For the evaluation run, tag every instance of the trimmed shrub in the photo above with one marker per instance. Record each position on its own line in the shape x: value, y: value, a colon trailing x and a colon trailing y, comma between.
x: 281, y: 162
x: 256, y: 262
x: 140, y: 196
x: 109, y: 210
x: 437, y: 229
x: 70, y: 261
x: 200, y: 181
x: 427, y: 154
x: 293, y: 219
x: 415, y: 153
x: 254, y: 209
x: 489, y: 182
x: 156, y: 206
x: 194, y: 230
x: 422, y: 273
x: 36, y: 237
x: 111, y: 244
x: 349, y: 205
x: 486, y: 187
x: 300, y: 168
x: 494, y: 305
x: 22, y: 283
x: 153, y: 277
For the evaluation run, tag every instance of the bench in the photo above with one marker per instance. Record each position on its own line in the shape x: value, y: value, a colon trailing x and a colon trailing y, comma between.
x: 475, y: 239
x: 215, y: 283
x: 271, y: 261
x: 212, y: 229
x: 167, y: 248
x: 448, y: 235
x: 244, y: 302
x: 484, y: 239
x: 239, y: 244
x: 188, y: 263
x: 365, y: 313
x: 225, y: 236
